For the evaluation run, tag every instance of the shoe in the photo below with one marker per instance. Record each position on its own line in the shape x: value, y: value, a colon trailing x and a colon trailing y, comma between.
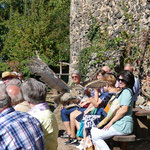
x: 70, y: 140
x: 80, y: 147
x: 65, y: 135
x: 75, y: 143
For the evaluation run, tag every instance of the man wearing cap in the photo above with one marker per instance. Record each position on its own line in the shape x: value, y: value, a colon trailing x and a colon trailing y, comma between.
x: 6, y: 76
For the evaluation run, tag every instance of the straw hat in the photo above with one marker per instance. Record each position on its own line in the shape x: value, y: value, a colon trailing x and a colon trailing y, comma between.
x: 8, y: 74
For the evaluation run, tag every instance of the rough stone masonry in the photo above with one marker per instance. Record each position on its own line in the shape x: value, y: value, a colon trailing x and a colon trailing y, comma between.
x: 116, y: 12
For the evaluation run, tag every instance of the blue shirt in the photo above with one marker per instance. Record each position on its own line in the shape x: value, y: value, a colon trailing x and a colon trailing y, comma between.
x: 105, y: 96
x: 136, y: 88
x: 19, y: 130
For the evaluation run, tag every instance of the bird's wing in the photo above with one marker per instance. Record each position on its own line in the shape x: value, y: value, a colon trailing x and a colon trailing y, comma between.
x: 96, y: 84
x: 47, y: 75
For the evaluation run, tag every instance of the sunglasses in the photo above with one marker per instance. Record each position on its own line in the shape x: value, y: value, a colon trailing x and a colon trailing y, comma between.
x: 7, y: 78
x: 73, y: 77
x: 122, y: 80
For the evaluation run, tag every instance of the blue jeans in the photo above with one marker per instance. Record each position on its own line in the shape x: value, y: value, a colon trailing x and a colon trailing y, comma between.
x: 65, y: 113
x: 80, y: 117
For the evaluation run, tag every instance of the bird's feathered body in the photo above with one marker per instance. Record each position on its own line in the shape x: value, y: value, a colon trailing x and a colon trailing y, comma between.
x: 67, y: 94
x: 40, y: 68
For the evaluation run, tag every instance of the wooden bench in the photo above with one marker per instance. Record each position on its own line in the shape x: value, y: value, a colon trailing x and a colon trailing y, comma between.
x: 141, y: 122
x: 141, y: 112
x: 141, y: 129
x: 121, y: 142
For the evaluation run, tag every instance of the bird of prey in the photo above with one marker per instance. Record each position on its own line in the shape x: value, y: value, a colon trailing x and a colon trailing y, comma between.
x: 67, y: 94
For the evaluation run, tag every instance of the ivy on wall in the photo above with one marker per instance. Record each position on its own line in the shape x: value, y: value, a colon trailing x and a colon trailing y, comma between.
x: 101, y: 41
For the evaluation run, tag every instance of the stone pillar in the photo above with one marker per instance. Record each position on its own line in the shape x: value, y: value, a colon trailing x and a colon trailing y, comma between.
x: 78, y: 30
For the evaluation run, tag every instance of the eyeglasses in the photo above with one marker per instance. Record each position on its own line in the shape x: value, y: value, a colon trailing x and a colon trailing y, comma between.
x: 73, y: 77
x: 122, y: 80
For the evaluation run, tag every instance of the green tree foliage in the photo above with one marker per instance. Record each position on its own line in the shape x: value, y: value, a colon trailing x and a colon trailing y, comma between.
x: 34, y: 25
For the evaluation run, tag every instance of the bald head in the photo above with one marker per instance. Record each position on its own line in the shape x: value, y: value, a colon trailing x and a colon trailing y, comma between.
x: 128, y: 67
x: 106, y: 69
x: 12, y: 90
x: 14, y: 93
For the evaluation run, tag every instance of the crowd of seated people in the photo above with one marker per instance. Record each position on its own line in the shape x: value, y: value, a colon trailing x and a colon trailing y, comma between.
x: 26, y: 121
x: 108, y: 113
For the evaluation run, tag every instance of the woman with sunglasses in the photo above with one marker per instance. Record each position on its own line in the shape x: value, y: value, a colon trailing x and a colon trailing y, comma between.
x: 121, y: 123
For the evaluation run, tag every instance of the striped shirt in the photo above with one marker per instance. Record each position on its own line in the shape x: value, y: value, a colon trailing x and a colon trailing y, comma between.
x: 20, y: 131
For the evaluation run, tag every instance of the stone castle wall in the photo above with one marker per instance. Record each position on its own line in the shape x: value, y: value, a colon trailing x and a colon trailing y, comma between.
x: 118, y: 15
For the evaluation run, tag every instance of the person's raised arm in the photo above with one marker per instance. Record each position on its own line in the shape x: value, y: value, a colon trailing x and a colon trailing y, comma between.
x: 96, y: 100
x: 90, y: 108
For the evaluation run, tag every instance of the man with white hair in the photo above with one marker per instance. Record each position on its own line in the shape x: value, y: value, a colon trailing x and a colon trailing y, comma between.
x: 76, y: 77
x: 65, y: 113
x: 34, y: 92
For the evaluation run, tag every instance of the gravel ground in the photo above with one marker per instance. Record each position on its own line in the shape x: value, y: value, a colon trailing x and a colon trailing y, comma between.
x: 61, y: 141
